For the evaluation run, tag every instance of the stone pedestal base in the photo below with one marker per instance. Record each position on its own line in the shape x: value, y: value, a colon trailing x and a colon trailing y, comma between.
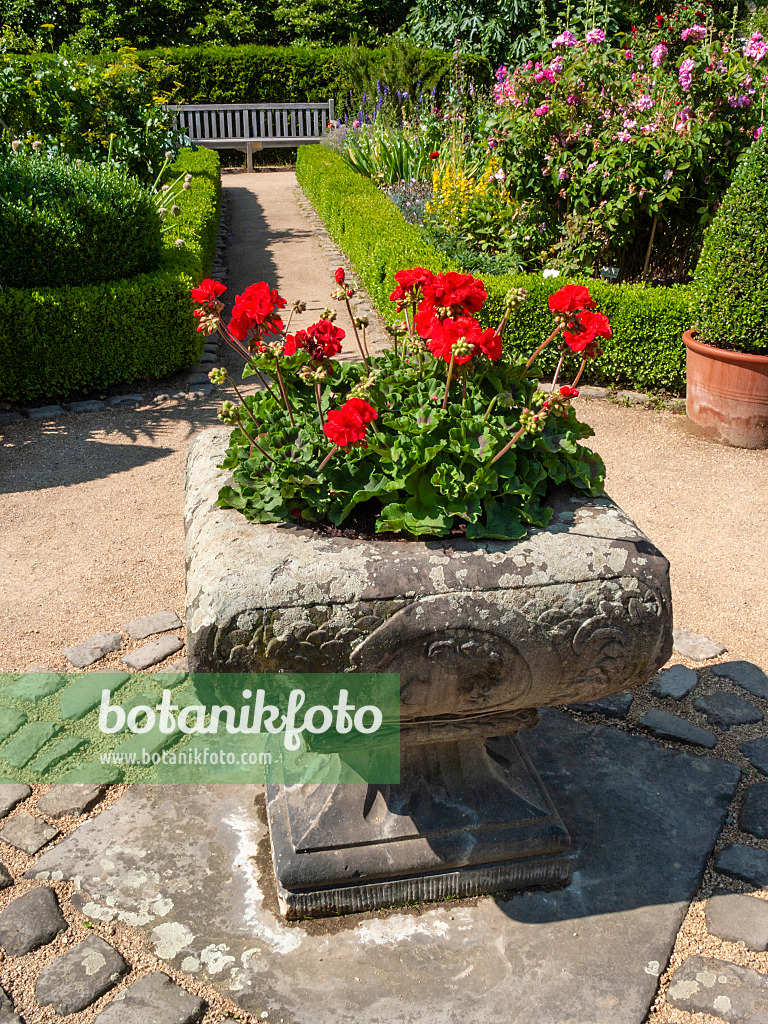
x: 467, y: 818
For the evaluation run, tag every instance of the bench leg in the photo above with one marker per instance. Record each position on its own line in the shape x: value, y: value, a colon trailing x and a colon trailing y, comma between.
x: 249, y: 156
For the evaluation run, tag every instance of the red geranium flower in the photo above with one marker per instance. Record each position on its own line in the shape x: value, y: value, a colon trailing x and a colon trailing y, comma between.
x: 409, y: 285
x: 327, y: 338
x: 348, y: 424
x: 569, y: 392
x: 254, y: 310
x: 339, y: 275
x: 459, y: 294
x: 571, y: 299
x: 293, y: 342
x: 207, y: 290
x: 594, y: 325
x: 446, y: 333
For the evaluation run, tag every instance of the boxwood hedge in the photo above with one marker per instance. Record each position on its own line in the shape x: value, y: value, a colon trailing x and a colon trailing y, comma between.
x: 646, y: 351
x: 57, y: 342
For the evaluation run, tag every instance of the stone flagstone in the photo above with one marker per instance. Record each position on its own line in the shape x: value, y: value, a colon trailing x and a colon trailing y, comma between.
x: 60, y: 751
x: 676, y: 682
x: 736, y: 917
x: 670, y: 727
x: 11, y: 794
x: 537, y: 952
x: 616, y: 706
x: 28, y: 743
x: 61, y: 800
x: 160, y: 622
x: 31, y: 921
x: 84, y: 694
x: 747, y: 863
x: 77, y: 979
x: 7, y: 1013
x: 753, y: 816
x: 695, y: 646
x: 725, y: 709
x: 10, y: 722
x: 27, y: 833
x: 153, y: 652
x: 756, y: 751
x: 35, y: 686
x: 94, y: 649
x: 154, y: 998
x: 728, y: 992
x: 744, y: 674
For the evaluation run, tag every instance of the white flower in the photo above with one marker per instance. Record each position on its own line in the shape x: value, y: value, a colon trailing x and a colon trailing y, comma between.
x: 550, y: 272
x: 179, y: 242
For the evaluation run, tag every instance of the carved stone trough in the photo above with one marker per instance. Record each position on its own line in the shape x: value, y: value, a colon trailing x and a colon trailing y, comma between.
x: 481, y: 633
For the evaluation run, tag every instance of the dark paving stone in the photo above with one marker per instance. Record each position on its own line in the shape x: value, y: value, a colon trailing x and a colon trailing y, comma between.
x: 160, y: 622
x: 84, y: 694
x: 10, y: 722
x: 45, y: 412
x: 11, y: 794
x: 153, y: 653
x: 756, y: 752
x: 93, y: 649
x: 27, y: 833
x: 6, y: 878
x: 61, y: 800
x: 728, y: 992
x: 35, y: 686
x: 643, y: 818
x: 28, y: 743
x: 7, y: 1013
x: 670, y: 727
x: 746, y: 863
x: 154, y: 998
x: 200, y: 391
x: 90, y: 405
x: 695, y: 646
x: 31, y: 921
x: 744, y: 674
x: 753, y: 817
x: 121, y: 400
x: 736, y: 917
x: 197, y: 378
x: 10, y: 417
x: 59, y: 752
x: 676, y: 682
x: 615, y: 706
x: 725, y: 709
x: 80, y: 976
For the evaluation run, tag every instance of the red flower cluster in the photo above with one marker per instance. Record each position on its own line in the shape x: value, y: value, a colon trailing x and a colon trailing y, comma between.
x: 457, y: 293
x: 255, y: 310
x: 409, y: 286
x: 207, y: 290
x: 594, y: 325
x: 571, y: 299
x: 445, y: 334
x: 348, y: 424
x: 321, y: 340
x: 568, y: 392
x: 339, y: 275
x: 434, y: 156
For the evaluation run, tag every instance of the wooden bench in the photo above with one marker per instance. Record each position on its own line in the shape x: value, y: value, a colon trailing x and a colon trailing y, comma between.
x: 253, y: 126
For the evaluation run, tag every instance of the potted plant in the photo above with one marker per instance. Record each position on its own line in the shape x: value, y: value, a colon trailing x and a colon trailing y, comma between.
x: 429, y: 513
x: 727, y: 352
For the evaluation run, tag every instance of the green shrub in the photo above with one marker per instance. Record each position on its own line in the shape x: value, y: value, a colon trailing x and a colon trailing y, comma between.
x: 63, y: 224
x: 730, y: 286
x: 56, y: 342
x: 646, y: 350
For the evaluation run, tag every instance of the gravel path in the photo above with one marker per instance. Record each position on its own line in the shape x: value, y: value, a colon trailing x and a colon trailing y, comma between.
x: 91, y: 505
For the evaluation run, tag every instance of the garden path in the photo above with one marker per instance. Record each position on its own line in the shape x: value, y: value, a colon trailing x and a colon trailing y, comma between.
x: 91, y: 505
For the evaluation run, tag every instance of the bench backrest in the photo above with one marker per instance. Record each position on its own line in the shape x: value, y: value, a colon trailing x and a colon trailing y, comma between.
x: 239, y: 121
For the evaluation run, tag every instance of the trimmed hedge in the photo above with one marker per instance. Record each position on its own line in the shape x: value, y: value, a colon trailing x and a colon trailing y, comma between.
x: 646, y: 350
x: 730, y: 286
x: 64, y: 224
x: 290, y: 74
x: 57, y: 342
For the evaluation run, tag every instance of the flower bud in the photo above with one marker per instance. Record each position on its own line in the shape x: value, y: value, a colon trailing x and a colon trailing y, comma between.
x: 179, y: 243
x: 361, y: 321
x: 228, y: 413
x: 218, y: 375
x: 328, y: 314
x: 165, y: 188
x: 338, y: 293
x: 169, y: 154
x: 37, y: 146
x: 299, y: 307
x: 187, y: 178
x: 515, y: 299
x: 16, y: 145
x: 162, y: 211
x: 339, y: 276
x: 175, y: 211
x: 186, y: 186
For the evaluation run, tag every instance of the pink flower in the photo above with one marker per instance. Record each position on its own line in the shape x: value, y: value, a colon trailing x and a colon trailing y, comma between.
x: 659, y: 55
x: 644, y: 102
x: 623, y: 136
x: 563, y: 174
x: 755, y: 47
x: 630, y: 123
x: 628, y: 54
x: 355, y: 124
x: 541, y: 111
x: 696, y: 32
x: 564, y: 39
x: 685, y: 74
x: 592, y: 166
x: 757, y: 132
x: 595, y: 35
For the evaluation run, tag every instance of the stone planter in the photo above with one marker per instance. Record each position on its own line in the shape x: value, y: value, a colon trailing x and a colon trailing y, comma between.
x: 481, y: 633
x: 727, y: 393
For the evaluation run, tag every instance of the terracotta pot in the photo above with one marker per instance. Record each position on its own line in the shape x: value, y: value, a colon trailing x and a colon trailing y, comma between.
x: 727, y: 393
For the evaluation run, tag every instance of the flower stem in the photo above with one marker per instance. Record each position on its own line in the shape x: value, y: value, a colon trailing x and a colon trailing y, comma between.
x: 241, y: 350
x: 507, y: 446
x: 242, y: 400
x: 503, y: 323
x: 557, y: 371
x: 319, y: 406
x: 543, y: 345
x: 357, y: 336
x: 327, y: 458
x: 283, y: 391
x: 448, y: 381
x: 254, y: 442
x: 577, y: 378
